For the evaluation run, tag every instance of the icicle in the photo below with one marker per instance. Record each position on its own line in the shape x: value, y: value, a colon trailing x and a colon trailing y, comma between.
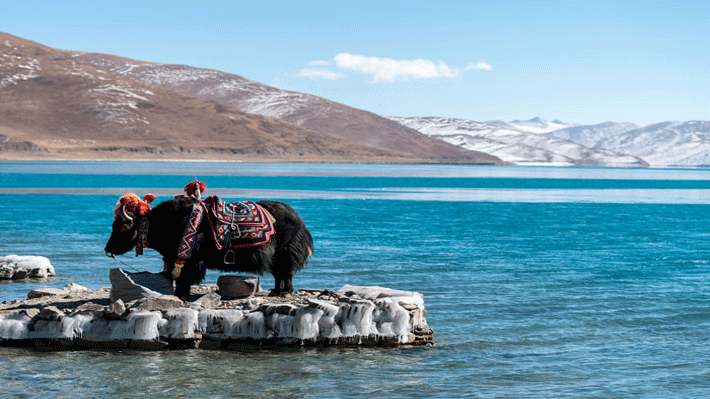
x: 138, y: 325
x: 62, y: 327
x: 14, y: 325
x: 218, y: 321
x: 280, y: 325
x: 179, y: 323
x: 391, y: 319
x: 252, y: 325
x: 306, y: 322
x: 327, y: 324
x: 356, y: 319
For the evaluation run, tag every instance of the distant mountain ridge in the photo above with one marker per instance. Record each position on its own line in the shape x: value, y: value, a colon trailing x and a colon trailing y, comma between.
x: 659, y: 144
x: 539, y: 142
x: 65, y: 104
x: 512, y: 144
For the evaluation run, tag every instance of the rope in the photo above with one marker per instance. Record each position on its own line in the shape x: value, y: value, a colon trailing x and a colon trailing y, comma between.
x: 112, y: 256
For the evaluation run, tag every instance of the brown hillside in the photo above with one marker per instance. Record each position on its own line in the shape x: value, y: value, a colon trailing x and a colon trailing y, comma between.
x: 57, y: 104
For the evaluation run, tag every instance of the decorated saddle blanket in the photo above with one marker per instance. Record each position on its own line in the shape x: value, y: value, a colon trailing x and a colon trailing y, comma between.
x: 232, y: 225
x: 238, y: 225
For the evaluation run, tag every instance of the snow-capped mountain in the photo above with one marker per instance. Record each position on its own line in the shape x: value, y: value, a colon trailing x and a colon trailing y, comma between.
x: 534, y: 125
x: 514, y: 145
x: 660, y: 144
x: 539, y: 142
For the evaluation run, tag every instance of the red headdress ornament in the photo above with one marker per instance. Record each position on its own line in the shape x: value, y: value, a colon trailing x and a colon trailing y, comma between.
x: 133, y: 204
x: 195, y: 189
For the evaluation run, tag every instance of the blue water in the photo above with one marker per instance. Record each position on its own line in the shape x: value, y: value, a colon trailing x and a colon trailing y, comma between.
x: 539, y: 282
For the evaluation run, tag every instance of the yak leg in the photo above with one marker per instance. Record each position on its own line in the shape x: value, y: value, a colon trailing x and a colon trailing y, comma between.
x: 283, y: 284
x: 190, y: 275
x: 182, y: 288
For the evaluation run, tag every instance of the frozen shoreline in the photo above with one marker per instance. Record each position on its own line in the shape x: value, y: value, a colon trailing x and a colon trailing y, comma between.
x: 77, y: 318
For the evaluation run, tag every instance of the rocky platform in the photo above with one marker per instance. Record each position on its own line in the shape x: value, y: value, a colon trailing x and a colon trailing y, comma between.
x: 78, y: 318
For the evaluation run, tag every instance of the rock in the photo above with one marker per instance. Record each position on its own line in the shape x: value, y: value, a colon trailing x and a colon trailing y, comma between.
x: 157, y: 303
x: 237, y: 286
x: 132, y: 286
x: 209, y: 301
x: 90, y: 307
x: 31, y: 312
x: 41, y: 292
x: 38, y: 272
x: 75, y: 287
x: 116, y: 310
x: 50, y: 313
x: 6, y: 272
x: 21, y: 274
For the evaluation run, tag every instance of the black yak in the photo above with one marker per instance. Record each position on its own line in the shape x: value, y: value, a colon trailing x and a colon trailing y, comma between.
x: 166, y: 229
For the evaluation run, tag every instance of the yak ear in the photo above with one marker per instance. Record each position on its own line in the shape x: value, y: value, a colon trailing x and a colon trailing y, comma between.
x: 149, y: 198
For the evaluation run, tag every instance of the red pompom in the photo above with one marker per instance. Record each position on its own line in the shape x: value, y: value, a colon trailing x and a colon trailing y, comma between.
x: 132, y: 204
x: 149, y: 198
x: 195, y: 189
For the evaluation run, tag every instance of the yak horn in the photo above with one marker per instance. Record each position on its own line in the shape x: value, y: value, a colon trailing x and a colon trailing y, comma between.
x: 125, y: 215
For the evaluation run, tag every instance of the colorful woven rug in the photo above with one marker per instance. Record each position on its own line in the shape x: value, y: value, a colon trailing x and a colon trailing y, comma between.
x: 233, y: 225
x: 238, y: 225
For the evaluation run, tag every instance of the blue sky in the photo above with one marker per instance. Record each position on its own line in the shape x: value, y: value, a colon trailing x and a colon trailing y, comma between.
x: 576, y: 61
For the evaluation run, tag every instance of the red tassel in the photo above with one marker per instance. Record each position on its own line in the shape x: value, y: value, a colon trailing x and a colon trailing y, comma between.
x: 149, y: 198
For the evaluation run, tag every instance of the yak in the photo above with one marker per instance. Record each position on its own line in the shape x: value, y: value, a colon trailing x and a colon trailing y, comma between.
x: 164, y: 228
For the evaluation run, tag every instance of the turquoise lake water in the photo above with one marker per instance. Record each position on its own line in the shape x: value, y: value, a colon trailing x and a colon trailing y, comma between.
x: 539, y: 282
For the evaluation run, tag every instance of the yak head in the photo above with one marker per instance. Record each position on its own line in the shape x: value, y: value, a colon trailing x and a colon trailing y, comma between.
x: 124, y: 234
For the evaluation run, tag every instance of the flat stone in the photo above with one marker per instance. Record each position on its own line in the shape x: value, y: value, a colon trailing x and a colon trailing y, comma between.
x: 157, y: 303
x: 89, y: 307
x: 50, y: 313
x: 208, y: 301
x: 41, y: 292
x: 31, y: 312
x: 75, y: 287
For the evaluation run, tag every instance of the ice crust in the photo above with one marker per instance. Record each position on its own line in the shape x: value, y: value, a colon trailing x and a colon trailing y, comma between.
x: 357, y: 313
x: 34, y: 266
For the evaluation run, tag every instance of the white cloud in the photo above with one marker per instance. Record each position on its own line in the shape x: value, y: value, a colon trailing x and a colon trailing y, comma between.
x: 480, y: 66
x: 319, y: 63
x: 317, y: 74
x: 389, y: 70
x: 385, y: 69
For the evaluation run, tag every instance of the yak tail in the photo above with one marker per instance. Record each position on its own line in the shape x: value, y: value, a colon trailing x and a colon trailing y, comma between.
x: 301, y: 249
